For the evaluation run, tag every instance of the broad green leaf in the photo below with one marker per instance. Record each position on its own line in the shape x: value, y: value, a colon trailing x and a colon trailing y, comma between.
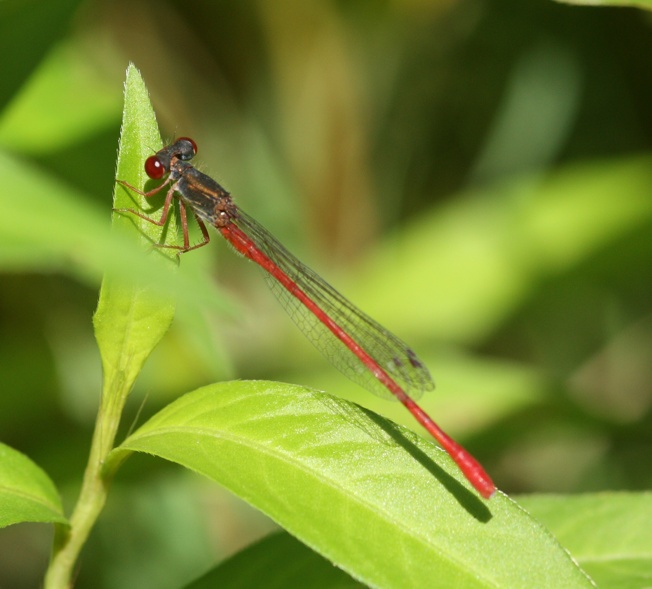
x: 388, y: 507
x: 607, y: 533
x: 131, y: 316
x: 26, y: 492
x: 278, y: 561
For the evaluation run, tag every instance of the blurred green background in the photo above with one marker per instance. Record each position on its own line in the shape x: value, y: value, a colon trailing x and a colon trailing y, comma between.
x: 474, y: 175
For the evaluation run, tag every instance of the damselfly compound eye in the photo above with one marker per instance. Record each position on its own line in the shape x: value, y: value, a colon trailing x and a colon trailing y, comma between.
x: 154, y: 168
x: 191, y: 141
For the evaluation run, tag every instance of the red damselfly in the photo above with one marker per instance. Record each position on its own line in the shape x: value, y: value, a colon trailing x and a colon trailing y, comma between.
x: 353, y: 342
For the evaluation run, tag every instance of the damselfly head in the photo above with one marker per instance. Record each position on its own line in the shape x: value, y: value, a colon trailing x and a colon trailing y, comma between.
x: 159, y: 164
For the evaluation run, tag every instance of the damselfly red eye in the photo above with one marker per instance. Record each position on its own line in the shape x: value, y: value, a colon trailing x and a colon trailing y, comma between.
x: 154, y: 168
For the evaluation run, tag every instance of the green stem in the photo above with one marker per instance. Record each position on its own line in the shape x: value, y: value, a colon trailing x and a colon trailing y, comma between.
x: 69, y: 541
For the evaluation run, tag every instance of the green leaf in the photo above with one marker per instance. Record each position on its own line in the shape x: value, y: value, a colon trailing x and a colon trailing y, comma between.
x: 26, y: 492
x: 278, y: 561
x: 607, y: 533
x: 132, y: 317
x: 388, y: 507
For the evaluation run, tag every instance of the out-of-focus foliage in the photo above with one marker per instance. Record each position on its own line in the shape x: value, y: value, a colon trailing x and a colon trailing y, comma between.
x: 605, y: 532
x: 473, y: 175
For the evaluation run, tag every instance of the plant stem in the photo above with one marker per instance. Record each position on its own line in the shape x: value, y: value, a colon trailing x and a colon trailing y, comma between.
x: 69, y: 541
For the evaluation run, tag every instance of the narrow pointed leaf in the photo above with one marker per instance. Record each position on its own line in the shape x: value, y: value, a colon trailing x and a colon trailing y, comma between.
x: 132, y: 317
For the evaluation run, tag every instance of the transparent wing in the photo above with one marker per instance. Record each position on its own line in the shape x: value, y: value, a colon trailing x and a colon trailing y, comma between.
x: 388, y: 351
